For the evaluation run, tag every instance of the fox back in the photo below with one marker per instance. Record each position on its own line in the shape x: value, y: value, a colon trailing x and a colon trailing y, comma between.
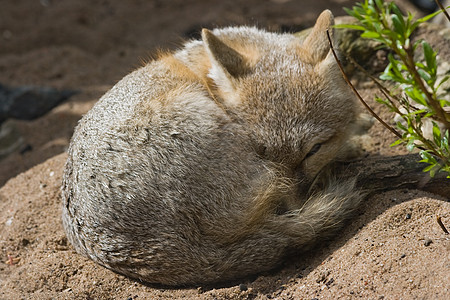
x: 196, y: 167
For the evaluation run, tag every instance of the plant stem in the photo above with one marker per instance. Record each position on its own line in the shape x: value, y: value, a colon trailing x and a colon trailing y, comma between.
x: 443, y: 9
x: 428, y: 145
x: 356, y: 92
x: 441, y: 114
x: 408, y: 60
x: 383, y: 90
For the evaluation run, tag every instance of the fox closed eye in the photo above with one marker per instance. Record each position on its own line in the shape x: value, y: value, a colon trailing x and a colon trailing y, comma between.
x: 313, y: 150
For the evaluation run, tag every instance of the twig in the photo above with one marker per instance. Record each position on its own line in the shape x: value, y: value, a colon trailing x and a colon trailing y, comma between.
x: 439, y: 221
x: 386, y: 93
x: 357, y: 94
x: 383, y: 90
x: 443, y: 9
x: 12, y: 260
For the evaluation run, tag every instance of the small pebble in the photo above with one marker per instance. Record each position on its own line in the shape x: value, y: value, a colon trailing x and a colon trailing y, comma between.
x: 26, y: 148
x: 427, y: 242
x: 46, y: 3
x: 9, y: 221
x: 243, y: 287
x: 403, y: 255
x: 329, y: 282
x: 408, y: 216
x: 7, y: 34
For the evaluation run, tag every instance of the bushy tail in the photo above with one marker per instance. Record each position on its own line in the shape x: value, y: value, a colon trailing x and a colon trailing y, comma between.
x: 322, y: 214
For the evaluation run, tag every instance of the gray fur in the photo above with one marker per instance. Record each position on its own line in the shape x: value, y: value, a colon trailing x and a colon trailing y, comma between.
x: 194, y: 170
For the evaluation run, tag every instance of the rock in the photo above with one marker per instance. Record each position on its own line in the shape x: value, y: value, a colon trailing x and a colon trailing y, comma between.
x: 10, y: 139
x: 24, y: 103
x: 427, y: 242
x: 29, y: 102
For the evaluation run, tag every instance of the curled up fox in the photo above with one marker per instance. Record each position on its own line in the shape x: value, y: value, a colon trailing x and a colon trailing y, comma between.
x: 200, y: 166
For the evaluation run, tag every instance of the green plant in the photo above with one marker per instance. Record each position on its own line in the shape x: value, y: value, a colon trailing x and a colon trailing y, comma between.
x: 418, y: 101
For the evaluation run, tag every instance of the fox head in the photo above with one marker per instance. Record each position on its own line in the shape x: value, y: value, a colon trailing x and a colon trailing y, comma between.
x: 290, y: 94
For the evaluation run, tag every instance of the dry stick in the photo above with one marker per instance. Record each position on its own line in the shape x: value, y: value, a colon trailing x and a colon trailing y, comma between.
x: 381, y: 87
x: 375, y: 174
x: 356, y: 92
x: 443, y: 9
x: 439, y: 221
x: 386, y: 93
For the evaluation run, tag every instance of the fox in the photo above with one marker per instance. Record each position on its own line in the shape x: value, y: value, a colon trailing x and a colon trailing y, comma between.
x: 205, y: 165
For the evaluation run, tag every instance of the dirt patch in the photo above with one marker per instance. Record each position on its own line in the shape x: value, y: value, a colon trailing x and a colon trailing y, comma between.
x: 393, y: 249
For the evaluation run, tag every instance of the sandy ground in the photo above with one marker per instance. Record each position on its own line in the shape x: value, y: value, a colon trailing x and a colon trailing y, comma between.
x: 394, y: 249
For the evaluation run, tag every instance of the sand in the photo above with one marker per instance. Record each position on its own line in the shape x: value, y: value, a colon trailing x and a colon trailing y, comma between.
x: 393, y: 249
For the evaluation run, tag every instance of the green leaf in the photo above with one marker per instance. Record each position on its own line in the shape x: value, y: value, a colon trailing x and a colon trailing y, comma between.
x: 350, y: 26
x: 426, y: 18
x: 397, y: 142
x: 399, y: 27
x: 444, y: 144
x: 435, y: 169
x: 418, y: 112
x: 349, y: 11
x: 392, y: 71
x: 426, y: 157
x: 420, y: 65
x: 410, y: 145
x: 397, y: 11
x: 370, y: 35
x: 379, y: 4
x: 437, y: 134
x: 359, y: 11
x: 401, y: 126
x: 424, y: 75
x: 387, y: 76
x: 416, y: 95
x: 445, y: 148
x: 444, y: 102
x: 430, y: 57
x: 426, y: 169
x: 392, y: 35
x: 442, y: 81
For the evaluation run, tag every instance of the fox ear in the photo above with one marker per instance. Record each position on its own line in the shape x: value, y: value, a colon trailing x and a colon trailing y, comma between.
x: 226, y: 64
x: 317, y: 41
x: 224, y: 56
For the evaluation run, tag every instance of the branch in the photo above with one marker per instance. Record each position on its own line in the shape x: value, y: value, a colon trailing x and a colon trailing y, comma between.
x: 357, y: 94
x: 383, y: 173
x: 443, y: 9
